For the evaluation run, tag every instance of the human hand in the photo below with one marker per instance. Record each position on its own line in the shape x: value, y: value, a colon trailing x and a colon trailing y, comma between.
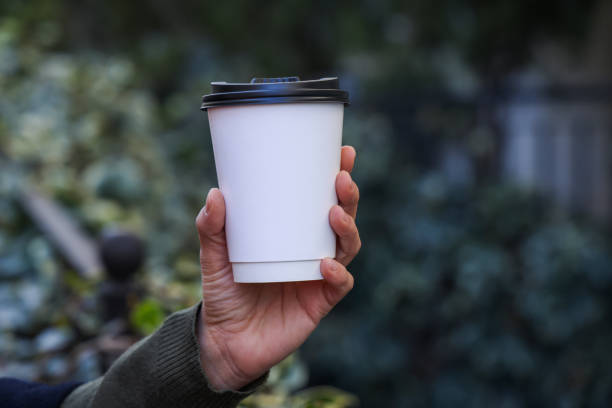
x: 245, y: 329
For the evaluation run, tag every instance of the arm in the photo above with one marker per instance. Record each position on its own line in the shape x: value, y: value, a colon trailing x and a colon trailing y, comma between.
x: 161, y: 370
x: 200, y: 356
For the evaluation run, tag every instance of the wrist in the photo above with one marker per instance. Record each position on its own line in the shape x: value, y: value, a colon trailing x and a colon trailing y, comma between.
x: 217, y: 363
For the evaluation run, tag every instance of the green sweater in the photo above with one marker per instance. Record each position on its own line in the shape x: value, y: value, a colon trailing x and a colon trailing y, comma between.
x: 161, y: 370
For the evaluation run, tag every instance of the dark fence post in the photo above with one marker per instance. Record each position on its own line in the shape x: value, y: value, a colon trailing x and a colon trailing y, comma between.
x: 122, y: 254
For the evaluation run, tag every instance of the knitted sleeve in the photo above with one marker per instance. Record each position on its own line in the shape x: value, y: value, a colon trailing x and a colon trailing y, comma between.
x: 162, y: 370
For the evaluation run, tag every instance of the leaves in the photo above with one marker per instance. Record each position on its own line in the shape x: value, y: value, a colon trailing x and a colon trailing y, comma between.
x: 470, y: 295
x: 146, y: 316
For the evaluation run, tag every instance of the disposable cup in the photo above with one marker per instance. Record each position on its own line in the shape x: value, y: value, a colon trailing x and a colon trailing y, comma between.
x: 277, y: 156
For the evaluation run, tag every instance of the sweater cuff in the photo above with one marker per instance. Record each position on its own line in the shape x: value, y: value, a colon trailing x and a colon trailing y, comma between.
x: 178, y: 367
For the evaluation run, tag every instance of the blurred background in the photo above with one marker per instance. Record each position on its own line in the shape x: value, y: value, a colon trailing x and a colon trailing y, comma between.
x: 483, y: 133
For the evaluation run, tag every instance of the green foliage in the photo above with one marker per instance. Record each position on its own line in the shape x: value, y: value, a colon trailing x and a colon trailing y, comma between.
x: 146, y: 316
x: 281, y: 388
x: 476, y: 297
x: 324, y: 397
x: 465, y: 297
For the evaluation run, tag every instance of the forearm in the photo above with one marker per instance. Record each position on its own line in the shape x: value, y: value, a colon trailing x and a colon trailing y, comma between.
x: 161, y: 370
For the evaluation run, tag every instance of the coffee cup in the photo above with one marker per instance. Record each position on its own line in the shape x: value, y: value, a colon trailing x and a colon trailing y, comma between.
x: 277, y: 144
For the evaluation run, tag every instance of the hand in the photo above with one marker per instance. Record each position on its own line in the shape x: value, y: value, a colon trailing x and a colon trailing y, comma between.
x: 245, y: 329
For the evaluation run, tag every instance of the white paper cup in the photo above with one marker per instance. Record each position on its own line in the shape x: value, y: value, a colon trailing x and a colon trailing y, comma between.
x: 276, y: 166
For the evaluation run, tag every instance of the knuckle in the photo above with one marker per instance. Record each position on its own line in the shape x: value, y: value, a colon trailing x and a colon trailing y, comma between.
x: 351, y: 282
x: 356, y: 193
x: 354, y: 229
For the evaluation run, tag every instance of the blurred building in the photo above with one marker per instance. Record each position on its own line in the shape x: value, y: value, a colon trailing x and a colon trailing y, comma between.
x: 557, y: 124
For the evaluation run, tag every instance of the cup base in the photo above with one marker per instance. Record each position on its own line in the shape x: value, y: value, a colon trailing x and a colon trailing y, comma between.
x: 289, y: 271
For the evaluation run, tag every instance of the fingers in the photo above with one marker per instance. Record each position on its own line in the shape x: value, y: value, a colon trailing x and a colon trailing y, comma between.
x: 348, y: 193
x: 342, y: 218
x: 339, y: 281
x: 210, y: 223
x: 347, y: 158
x: 349, y: 242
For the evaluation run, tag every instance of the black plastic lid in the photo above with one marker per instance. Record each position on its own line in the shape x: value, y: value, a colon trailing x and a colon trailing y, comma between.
x: 274, y: 90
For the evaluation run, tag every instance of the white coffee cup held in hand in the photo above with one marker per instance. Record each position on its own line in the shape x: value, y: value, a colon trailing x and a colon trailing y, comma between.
x: 277, y: 146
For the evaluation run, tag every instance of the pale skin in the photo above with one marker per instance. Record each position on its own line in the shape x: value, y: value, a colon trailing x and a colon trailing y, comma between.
x: 245, y: 329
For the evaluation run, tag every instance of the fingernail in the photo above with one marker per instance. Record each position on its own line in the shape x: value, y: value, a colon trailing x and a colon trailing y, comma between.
x: 207, y: 205
x: 341, y: 215
x: 350, y: 180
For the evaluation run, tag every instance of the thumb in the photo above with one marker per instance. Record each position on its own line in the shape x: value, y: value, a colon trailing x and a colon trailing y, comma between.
x: 210, y: 223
